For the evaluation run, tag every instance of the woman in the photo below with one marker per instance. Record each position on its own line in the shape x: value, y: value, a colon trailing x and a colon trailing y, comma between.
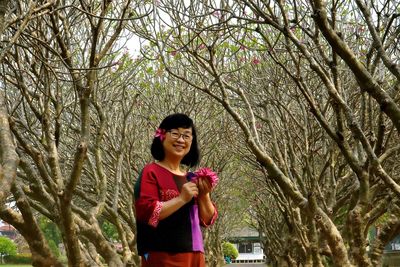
x: 170, y: 207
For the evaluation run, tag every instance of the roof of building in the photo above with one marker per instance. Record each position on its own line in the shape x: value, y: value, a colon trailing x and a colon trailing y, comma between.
x: 7, y: 228
x: 244, y: 232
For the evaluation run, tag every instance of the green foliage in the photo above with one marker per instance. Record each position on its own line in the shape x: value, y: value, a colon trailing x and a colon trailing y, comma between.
x: 150, y: 70
x: 382, y: 219
x: 230, y: 250
x: 110, y: 231
x: 16, y: 265
x: 51, y: 233
x: 63, y: 259
x: 7, y: 246
x: 19, y: 259
x: 54, y: 248
x: 50, y: 230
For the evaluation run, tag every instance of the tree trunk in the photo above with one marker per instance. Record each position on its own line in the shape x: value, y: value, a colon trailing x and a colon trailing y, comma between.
x: 334, y: 239
x: 27, y: 226
x: 70, y: 237
x: 358, y: 249
x: 315, y: 256
x: 8, y: 156
x: 212, y: 247
x: 93, y: 233
x: 3, y: 10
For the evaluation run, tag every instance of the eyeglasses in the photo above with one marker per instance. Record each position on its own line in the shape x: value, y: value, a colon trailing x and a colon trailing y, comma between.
x: 176, y: 135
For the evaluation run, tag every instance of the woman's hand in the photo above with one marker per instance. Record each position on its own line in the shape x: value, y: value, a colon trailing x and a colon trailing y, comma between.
x: 206, y: 208
x: 204, y: 186
x: 188, y: 191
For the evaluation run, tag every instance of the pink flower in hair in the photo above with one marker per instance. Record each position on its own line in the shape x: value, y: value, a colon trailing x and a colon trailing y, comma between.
x: 160, y: 133
x: 207, y: 173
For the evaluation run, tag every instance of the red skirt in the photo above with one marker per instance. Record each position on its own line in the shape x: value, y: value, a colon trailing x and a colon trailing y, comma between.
x: 164, y: 259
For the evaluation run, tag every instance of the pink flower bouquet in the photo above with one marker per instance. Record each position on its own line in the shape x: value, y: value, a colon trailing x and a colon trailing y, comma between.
x: 206, y: 173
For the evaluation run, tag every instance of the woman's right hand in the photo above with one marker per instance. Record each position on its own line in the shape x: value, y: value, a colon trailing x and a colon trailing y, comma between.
x: 188, y: 191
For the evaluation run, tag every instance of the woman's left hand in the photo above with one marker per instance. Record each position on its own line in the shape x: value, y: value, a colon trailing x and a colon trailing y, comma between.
x: 206, y: 207
x: 204, y: 186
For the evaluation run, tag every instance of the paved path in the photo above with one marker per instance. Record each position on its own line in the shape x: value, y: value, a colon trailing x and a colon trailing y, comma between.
x: 246, y: 265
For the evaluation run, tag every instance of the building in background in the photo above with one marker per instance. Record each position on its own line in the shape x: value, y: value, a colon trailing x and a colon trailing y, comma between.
x: 391, y: 253
x: 8, y: 230
x: 248, y: 243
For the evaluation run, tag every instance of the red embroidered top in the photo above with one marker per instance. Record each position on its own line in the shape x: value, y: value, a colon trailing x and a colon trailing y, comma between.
x: 180, y: 232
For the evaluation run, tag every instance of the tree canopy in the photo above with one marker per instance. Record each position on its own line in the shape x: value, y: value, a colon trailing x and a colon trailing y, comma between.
x: 7, y: 247
x: 296, y: 105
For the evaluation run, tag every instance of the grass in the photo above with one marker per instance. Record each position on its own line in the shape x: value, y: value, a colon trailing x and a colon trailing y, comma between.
x: 15, y: 265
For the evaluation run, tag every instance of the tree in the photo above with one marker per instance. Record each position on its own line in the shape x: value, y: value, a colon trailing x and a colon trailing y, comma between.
x: 82, y: 116
x: 312, y: 94
x: 314, y: 90
x: 7, y: 247
x: 230, y: 250
x: 67, y: 176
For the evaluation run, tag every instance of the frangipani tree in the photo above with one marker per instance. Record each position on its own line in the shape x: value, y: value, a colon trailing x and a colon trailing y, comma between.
x: 314, y: 88
x: 65, y: 81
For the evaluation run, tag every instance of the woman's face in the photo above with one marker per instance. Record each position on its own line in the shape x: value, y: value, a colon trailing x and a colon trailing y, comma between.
x: 177, y: 142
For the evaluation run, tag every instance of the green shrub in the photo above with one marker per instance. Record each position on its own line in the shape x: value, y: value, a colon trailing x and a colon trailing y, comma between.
x: 19, y: 259
x: 230, y: 250
x: 7, y: 248
x: 53, y: 247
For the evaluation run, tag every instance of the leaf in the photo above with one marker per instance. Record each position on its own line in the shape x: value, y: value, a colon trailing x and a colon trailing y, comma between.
x: 150, y: 70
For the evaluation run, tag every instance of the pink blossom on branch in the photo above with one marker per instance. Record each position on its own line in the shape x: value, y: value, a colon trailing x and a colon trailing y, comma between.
x: 216, y: 14
x: 255, y: 61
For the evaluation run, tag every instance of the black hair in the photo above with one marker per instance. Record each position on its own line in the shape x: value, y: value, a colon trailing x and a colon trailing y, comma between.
x: 175, y: 121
